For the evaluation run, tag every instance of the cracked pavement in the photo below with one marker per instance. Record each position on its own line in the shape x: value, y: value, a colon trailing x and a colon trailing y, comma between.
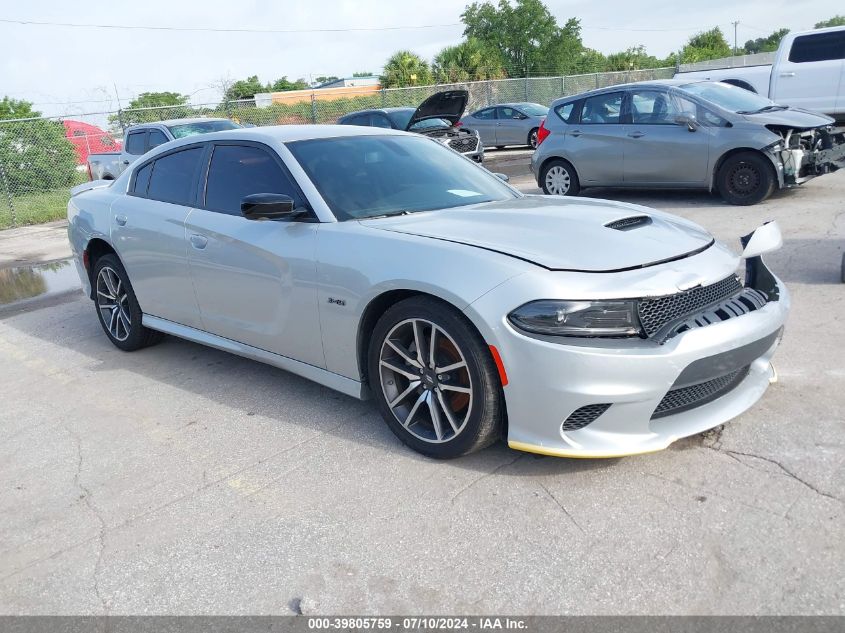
x: 181, y: 479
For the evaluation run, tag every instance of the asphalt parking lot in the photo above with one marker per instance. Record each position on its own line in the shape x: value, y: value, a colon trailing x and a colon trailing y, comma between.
x: 181, y: 479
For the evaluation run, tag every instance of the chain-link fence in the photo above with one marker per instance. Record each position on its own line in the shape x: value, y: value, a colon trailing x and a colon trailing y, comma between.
x: 40, y: 159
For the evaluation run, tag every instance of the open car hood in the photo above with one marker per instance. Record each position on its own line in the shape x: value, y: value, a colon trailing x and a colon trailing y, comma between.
x: 575, y: 234
x: 449, y: 105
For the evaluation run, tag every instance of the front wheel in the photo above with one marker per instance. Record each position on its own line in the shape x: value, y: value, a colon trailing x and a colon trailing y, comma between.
x: 117, y: 308
x: 558, y: 178
x: 746, y: 178
x: 434, y: 379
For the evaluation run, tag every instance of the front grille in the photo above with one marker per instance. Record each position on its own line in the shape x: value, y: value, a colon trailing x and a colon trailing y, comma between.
x: 628, y: 223
x: 685, y: 398
x: 464, y: 143
x: 583, y: 416
x: 655, y: 313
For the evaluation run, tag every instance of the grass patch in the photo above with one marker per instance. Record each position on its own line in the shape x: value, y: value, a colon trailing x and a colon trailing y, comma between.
x: 37, y: 207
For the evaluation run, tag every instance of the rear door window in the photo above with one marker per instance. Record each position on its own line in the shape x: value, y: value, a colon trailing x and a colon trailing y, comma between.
x: 486, y: 115
x: 174, y: 177
x: 157, y: 138
x: 604, y: 108
x: 818, y: 47
x: 142, y: 180
x: 135, y: 143
x: 237, y: 171
x: 379, y: 120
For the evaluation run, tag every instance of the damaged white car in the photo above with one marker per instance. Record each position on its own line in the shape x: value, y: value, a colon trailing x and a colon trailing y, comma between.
x: 684, y: 134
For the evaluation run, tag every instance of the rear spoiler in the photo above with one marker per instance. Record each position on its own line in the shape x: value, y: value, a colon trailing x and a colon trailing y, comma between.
x: 88, y: 186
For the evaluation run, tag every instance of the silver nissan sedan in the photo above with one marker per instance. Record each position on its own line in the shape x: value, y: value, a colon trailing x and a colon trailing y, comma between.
x: 380, y: 263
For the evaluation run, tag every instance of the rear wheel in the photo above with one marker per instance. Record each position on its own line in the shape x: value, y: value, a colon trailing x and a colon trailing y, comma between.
x: 117, y: 308
x: 434, y: 379
x: 532, y: 138
x: 558, y: 178
x: 746, y: 178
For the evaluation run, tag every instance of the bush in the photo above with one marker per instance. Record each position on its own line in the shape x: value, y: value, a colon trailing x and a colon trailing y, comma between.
x: 36, y: 156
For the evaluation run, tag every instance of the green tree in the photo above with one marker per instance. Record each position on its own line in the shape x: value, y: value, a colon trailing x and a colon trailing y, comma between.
x: 405, y: 68
x: 152, y: 106
x: 765, y: 44
x: 468, y: 61
x: 35, y: 155
x: 836, y: 20
x: 526, y: 35
x: 634, y: 58
x: 706, y: 45
x: 16, y: 109
x: 283, y: 85
x: 244, y: 89
x: 362, y: 73
x: 325, y: 79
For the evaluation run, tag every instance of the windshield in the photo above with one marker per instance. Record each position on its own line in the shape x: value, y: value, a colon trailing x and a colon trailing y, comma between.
x: 732, y: 98
x: 201, y: 127
x: 533, y: 109
x: 367, y: 176
x: 428, y: 124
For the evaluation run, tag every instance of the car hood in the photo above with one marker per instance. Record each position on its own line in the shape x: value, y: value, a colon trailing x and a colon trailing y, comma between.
x: 791, y: 117
x: 449, y: 105
x: 560, y: 233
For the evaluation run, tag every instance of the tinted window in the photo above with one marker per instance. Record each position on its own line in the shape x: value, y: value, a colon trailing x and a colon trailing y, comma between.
x: 818, y: 47
x: 142, y: 179
x: 379, y: 120
x: 157, y: 138
x: 508, y: 113
x: 358, y: 119
x: 489, y: 113
x: 566, y: 112
x: 135, y: 143
x: 365, y: 176
x: 605, y: 108
x: 238, y: 171
x: 174, y: 177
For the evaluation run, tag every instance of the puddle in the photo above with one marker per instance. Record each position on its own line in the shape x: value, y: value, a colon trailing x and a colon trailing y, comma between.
x: 19, y: 285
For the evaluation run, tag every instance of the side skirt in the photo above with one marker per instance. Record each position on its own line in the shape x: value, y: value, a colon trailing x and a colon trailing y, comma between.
x: 324, y: 377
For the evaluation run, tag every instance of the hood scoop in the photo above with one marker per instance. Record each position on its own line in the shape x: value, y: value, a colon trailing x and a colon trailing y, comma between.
x: 629, y: 223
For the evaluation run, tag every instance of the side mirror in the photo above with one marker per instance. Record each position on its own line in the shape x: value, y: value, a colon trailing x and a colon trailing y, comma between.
x: 687, y: 119
x: 501, y: 176
x: 763, y: 239
x: 267, y: 206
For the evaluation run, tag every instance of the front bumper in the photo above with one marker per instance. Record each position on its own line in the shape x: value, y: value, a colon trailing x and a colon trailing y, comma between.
x: 550, y: 379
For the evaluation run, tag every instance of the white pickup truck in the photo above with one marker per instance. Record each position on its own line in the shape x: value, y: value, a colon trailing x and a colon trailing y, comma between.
x: 808, y: 72
x: 139, y: 139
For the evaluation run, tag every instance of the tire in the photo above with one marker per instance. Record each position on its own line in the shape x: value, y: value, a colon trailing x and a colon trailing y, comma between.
x: 420, y: 396
x: 746, y: 178
x: 532, y: 139
x: 117, y: 307
x: 558, y: 178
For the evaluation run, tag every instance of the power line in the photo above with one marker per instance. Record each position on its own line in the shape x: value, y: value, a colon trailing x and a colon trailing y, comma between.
x: 135, y: 27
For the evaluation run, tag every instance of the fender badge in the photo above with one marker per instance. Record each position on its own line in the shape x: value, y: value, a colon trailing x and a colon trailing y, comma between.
x: 340, y: 302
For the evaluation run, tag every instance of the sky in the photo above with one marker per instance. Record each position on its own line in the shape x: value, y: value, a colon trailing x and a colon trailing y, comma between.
x: 70, y: 71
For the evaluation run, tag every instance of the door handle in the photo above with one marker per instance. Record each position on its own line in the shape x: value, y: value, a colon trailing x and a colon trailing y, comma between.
x: 120, y: 219
x: 787, y: 74
x: 636, y: 134
x: 576, y: 133
x: 126, y: 162
x: 199, y: 241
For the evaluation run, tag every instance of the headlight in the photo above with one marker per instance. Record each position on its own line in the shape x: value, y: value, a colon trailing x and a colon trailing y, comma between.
x: 578, y: 318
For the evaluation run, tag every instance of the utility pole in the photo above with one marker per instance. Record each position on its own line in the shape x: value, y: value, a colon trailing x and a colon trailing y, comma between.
x: 735, y: 25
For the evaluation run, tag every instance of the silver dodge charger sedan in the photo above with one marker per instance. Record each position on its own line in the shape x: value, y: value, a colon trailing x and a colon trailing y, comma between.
x: 381, y: 263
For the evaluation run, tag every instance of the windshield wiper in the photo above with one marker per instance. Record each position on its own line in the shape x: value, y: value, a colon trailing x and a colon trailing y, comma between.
x: 392, y: 214
x: 768, y: 108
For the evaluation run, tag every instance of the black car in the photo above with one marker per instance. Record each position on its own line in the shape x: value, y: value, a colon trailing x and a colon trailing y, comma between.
x: 436, y: 117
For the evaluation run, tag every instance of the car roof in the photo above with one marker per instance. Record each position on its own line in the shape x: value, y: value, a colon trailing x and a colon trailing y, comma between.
x: 286, y: 134
x: 185, y: 121
x: 655, y: 83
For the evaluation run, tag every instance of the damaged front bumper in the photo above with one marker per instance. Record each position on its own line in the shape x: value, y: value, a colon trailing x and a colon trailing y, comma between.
x: 803, y: 155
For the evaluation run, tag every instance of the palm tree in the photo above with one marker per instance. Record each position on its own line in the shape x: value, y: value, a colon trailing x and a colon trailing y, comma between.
x: 405, y: 68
